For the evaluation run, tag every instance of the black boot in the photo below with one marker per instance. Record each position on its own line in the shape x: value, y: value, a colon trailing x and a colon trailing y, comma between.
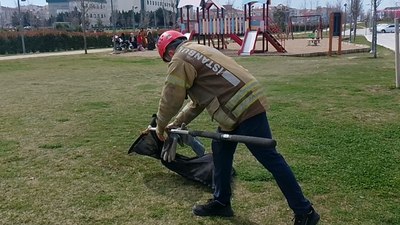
x: 213, y: 208
x: 310, y: 218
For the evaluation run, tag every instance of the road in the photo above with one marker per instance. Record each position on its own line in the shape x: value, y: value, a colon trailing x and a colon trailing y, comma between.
x: 386, y: 40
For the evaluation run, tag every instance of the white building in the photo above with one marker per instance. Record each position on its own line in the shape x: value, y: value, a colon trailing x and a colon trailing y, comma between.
x: 35, y: 13
x: 101, y: 9
x: 96, y: 9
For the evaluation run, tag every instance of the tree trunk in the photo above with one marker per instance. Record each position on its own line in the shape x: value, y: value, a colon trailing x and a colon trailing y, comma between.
x: 84, y: 39
x: 355, y: 30
x: 84, y: 25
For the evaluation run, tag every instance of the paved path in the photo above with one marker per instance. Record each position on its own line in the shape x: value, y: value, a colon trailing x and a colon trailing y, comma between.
x: 384, y: 39
x: 32, y: 55
x: 147, y: 53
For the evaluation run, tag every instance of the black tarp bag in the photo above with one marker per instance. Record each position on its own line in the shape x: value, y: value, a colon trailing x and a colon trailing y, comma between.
x: 199, y: 169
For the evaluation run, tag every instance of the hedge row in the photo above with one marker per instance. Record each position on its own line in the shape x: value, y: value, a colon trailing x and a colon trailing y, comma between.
x: 51, y: 41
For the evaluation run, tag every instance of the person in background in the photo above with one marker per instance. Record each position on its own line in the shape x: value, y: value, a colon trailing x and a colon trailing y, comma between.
x: 151, y: 44
x: 133, y: 41
x: 140, y: 42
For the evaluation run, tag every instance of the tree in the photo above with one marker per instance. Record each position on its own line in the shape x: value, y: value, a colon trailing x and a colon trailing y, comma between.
x: 15, y: 19
x: 375, y: 3
x: 136, y: 18
x: 84, y: 7
x: 72, y: 17
x: 338, y: 5
x: 99, y: 24
x: 355, y: 10
x: 174, y: 13
x: 305, y: 4
x: 160, y: 17
x: 280, y: 16
x: 49, y: 22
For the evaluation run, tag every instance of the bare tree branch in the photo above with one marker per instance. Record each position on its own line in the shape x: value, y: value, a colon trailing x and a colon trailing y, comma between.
x: 84, y: 7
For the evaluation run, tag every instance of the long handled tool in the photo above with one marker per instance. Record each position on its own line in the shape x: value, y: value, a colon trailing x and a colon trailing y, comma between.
x: 226, y: 137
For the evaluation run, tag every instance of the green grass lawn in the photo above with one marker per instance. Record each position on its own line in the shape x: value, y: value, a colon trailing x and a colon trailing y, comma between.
x: 66, y: 124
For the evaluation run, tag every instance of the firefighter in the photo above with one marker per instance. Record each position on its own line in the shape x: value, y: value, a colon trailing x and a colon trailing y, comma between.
x: 235, y: 100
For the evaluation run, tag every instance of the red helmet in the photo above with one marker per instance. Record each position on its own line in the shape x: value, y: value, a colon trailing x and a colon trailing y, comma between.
x: 167, y: 38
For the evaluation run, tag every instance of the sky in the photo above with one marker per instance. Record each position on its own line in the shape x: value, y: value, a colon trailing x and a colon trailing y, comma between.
x: 292, y: 3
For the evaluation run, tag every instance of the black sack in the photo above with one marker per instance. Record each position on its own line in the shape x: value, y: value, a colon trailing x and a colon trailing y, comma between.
x: 147, y: 143
x: 199, y: 169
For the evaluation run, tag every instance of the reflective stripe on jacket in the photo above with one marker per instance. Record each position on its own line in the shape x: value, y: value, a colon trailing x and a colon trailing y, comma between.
x: 212, y: 81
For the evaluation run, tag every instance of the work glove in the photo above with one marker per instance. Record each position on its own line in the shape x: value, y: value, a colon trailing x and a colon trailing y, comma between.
x: 168, y: 151
x: 191, y: 141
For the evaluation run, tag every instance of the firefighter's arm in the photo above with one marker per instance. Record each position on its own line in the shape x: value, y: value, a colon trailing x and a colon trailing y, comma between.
x: 187, y: 114
x: 179, y: 79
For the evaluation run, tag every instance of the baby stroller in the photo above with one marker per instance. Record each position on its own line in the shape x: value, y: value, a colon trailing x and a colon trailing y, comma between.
x: 120, y: 44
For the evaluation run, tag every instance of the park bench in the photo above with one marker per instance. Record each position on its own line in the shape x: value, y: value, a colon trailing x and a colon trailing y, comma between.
x: 312, y: 41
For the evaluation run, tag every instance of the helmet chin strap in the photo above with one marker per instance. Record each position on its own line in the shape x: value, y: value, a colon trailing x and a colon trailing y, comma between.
x: 171, y: 47
x: 167, y: 57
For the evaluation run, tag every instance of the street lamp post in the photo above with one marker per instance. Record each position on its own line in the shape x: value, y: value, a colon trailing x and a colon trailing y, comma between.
x: 133, y: 16
x: 351, y: 19
x: 155, y: 19
x: 374, y: 31
x: 21, y: 27
x: 1, y: 17
x: 345, y: 19
x: 371, y: 14
x: 113, y: 23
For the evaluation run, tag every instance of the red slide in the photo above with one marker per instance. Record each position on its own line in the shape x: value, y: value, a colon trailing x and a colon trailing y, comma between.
x: 236, y: 39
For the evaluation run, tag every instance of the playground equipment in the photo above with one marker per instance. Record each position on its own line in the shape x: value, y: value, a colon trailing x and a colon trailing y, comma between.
x: 335, y: 25
x: 214, y: 27
x: 309, y: 22
x: 187, y: 26
x: 269, y: 32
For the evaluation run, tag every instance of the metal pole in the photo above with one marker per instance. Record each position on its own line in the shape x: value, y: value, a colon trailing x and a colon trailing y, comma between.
x: 133, y: 17
x: 155, y: 20
x: 163, y: 11
x: 351, y: 18
x: 113, y: 23
x: 397, y: 57
x: 375, y: 32
x: 345, y: 19
x: 21, y: 28
x: 371, y: 24
x: 1, y: 17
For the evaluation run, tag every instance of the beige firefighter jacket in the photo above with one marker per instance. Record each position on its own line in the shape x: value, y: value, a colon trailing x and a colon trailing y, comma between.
x: 213, y: 81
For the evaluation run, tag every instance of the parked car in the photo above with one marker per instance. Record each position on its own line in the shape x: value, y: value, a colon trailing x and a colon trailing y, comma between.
x: 385, y: 28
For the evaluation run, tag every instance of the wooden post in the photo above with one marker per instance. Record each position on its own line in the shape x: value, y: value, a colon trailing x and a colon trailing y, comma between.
x: 335, y: 29
x: 339, y: 52
x: 397, y: 53
x: 330, y: 34
x: 188, y: 18
x: 198, y: 22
